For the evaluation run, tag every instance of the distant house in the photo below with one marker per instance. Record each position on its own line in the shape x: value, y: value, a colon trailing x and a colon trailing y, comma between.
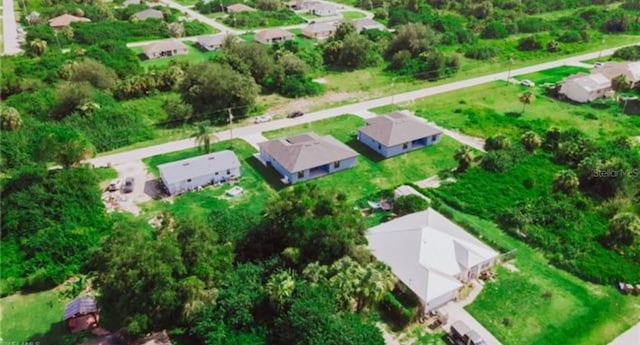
x: 319, y: 31
x: 128, y: 3
x: 235, y: 8
x: 583, y: 88
x: 321, y: 9
x: 396, y: 133
x: 188, y: 174
x: 65, y: 20
x: 631, y: 70
x: 306, y: 156
x: 165, y: 48
x: 366, y: 24
x: 275, y: 35
x: 148, y: 13
x: 81, y: 314
x: 210, y: 42
x: 430, y: 254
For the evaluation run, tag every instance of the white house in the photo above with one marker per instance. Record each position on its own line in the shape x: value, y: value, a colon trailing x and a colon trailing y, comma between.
x: 583, y: 88
x: 430, y: 254
x: 631, y: 70
x: 188, y: 174
x: 165, y: 48
x: 320, y: 31
x: 275, y: 35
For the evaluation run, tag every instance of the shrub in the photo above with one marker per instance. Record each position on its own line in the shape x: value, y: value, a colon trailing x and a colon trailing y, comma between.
x: 529, y: 43
x: 494, y: 29
x: 532, y: 25
x: 628, y: 53
x: 409, y: 204
x: 496, y: 161
x: 481, y: 52
x: 570, y: 36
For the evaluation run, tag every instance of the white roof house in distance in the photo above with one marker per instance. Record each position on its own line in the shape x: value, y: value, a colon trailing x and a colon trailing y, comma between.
x: 210, y: 42
x: 306, y: 156
x: 188, y: 174
x: 396, y: 133
x: 240, y: 8
x: 65, y: 20
x: 275, y: 35
x: 631, y: 70
x: 430, y: 254
x: 367, y: 24
x: 320, y: 31
x: 165, y: 48
x: 321, y: 9
x: 148, y: 13
x: 583, y: 88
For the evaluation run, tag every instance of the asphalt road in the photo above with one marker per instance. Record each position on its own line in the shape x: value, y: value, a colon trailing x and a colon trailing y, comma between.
x: 252, y: 130
x: 9, y: 29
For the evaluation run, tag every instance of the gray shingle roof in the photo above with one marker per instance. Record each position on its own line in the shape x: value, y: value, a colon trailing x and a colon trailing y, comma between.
x: 320, y: 27
x: 397, y: 128
x: 211, y: 40
x: 269, y: 34
x: 164, y: 45
x: 590, y: 82
x: 80, y: 306
x: 149, y: 13
x: 306, y: 151
x: 198, y: 166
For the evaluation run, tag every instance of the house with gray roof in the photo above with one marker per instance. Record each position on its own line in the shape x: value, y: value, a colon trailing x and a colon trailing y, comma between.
x: 275, y: 35
x: 319, y: 31
x: 583, y: 88
x: 629, y: 69
x: 165, y: 48
x: 210, y: 42
x: 306, y: 156
x: 430, y: 254
x: 367, y: 24
x: 148, y: 13
x: 396, y: 133
x: 189, y: 174
x: 235, y: 8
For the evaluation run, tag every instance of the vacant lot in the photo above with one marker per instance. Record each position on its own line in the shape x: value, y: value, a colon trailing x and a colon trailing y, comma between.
x: 553, y: 75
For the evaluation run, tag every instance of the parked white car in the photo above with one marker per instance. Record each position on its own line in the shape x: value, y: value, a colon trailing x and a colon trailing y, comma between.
x: 527, y: 83
x: 263, y: 118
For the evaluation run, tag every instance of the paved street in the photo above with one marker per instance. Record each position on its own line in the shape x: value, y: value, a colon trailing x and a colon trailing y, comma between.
x: 630, y: 337
x: 9, y: 29
x: 356, y: 108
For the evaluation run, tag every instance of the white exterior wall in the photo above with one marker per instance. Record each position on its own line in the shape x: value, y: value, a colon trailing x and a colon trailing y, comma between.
x: 440, y: 301
x: 193, y: 183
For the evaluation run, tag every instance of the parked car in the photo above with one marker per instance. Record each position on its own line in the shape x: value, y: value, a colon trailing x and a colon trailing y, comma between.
x: 113, y: 186
x: 295, y: 114
x: 461, y: 334
x: 261, y: 119
x: 527, y: 83
x: 128, y: 185
x: 598, y: 64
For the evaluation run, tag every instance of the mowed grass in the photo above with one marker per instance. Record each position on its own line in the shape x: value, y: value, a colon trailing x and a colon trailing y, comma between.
x: 352, y: 15
x: 487, y: 109
x: 195, y: 55
x: 199, y: 204
x: 372, y: 173
x: 552, y: 75
x: 545, y: 305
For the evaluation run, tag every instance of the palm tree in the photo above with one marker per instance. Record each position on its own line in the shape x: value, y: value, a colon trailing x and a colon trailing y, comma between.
x: 375, y: 282
x: 531, y: 141
x: 280, y: 287
x: 346, y: 279
x: 315, y: 273
x: 565, y: 181
x: 620, y: 83
x: 203, y: 136
x: 624, y: 227
x: 38, y: 46
x: 464, y: 156
x: 526, y: 98
x: 89, y: 108
x: 497, y: 142
x: 11, y: 119
x: 176, y: 29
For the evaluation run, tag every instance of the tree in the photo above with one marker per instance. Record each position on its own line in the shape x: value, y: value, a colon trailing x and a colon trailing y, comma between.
x: 529, y: 43
x: 355, y: 51
x: 203, y: 136
x: 177, y: 111
x: 413, y: 37
x: 38, y: 46
x: 10, y: 119
x: 65, y: 146
x: 464, y: 156
x: 531, y: 141
x: 93, y: 72
x: 176, y: 29
x: 553, y: 46
x: 409, y: 204
x: 620, y: 83
x: 69, y: 97
x: 497, y: 142
x: 344, y: 29
x: 565, y: 181
x: 624, y: 228
x: 526, y: 98
x: 280, y: 287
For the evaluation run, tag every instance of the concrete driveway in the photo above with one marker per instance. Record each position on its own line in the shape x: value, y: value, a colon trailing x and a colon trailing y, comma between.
x: 145, y: 186
x: 9, y: 29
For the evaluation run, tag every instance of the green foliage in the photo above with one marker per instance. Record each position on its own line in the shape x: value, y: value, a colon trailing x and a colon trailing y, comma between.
x: 194, y: 28
x: 481, y: 52
x: 10, y: 119
x: 624, y: 228
x: 498, y: 160
x: 529, y: 43
x: 630, y: 53
x: 115, y: 55
x: 497, y: 142
x: 532, y: 25
x: 114, y: 30
x: 494, y: 30
x: 93, y: 72
x: 69, y: 97
x: 65, y: 146
x: 409, y: 204
x: 257, y: 19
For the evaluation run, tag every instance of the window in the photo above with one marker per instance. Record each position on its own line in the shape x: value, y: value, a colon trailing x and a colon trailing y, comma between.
x: 301, y: 174
x: 228, y: 172
x: 188, y: 180
x: 434, y: 137
x: 379, y: 147
x: 217, y: 173
x: 336, y: 165
x: 405, y: 146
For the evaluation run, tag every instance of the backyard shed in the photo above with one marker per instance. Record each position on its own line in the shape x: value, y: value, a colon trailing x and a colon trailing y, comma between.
x: 189, y: 174
x: 81, y: 314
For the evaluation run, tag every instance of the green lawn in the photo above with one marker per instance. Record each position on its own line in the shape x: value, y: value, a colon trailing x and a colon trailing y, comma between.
x: 352, y: 14
x: 552, y: 75
x: 575, y: 312
x: 199, y: 204
x: 492, y: 108
x: 195, y: 55
x: 33, y: 317
x: 373, y: 174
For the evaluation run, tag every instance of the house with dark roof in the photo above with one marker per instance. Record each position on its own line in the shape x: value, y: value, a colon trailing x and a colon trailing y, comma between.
x: 306, y: 156
x: 188, y: 174
x: 148, y: 13
x: 396, y: 133
x: 81, y: 314
x: 165, y: 48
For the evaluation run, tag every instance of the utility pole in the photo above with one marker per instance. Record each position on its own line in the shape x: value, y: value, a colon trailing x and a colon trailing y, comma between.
x: 601, y: 48
x: 230, y: 124
x: 510, y: 62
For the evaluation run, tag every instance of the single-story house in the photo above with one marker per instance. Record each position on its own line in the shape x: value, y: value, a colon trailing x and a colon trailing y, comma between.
x: 81, y: 314
x: 211, y: 42
x: 396, y: 133
x: 275, y: 35
x: 321, y: 9
x: 128, y: 3
x: 239, y: 8
x: 320, y: 31
x: 630, y: 69
x: 188, y: 174
x: 430, y: 254
x: 65, y: 20
x: 306, y: 156
x: 583, y: 88
x: 165, y: 48
x: 148, y: 13
x: 367, y: 24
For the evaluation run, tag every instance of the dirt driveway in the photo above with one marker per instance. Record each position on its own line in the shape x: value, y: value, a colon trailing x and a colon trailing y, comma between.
x: 145, y: 186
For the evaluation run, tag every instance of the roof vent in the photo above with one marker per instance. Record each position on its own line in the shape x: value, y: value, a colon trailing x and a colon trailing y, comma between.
x: 185, y: 164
